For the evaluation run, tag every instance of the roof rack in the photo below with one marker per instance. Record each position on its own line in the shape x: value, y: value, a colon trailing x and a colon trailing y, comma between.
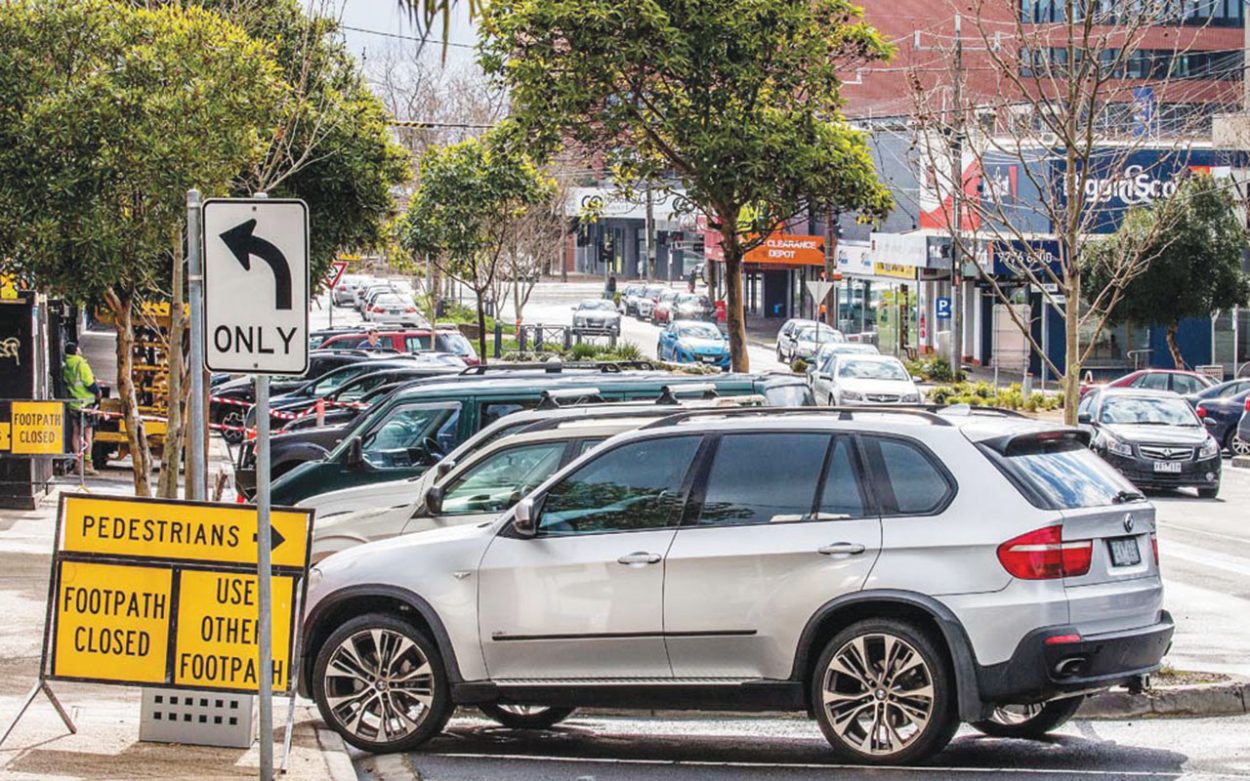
x: 669, y: 393
x: 556, y: 398
x: 556, y: 367
x: 843, y: 413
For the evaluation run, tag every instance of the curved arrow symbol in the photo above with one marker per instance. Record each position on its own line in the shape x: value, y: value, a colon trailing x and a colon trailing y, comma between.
x: 243, y: 244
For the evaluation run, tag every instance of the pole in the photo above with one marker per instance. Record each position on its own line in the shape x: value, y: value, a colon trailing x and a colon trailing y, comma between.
x: 264, y: 574
x: 649, y: 228
x: 957, y: 186
x: 195, y: 286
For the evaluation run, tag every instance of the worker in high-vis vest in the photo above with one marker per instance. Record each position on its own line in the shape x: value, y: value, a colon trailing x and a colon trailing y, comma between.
x: 84, y: 392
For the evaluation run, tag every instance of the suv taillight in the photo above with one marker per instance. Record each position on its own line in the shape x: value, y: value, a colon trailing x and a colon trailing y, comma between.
x: 1043, y: 554
x: 1248, y: 404
x: 1202, y: 412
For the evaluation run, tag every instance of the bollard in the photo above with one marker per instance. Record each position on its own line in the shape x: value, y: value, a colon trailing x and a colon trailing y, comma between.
x: 498, y: 339
x: 568, y: 339
x: 523, y: 342
x: 538, y: 337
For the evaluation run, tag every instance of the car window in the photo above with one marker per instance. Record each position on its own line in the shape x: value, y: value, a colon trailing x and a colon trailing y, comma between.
x: 333, y: 380
x: 919, y: 487
x: 586, y: 445
x: 1153, y: 381
x: 1062, y: 474
x: 496, y: 482
x: 635, y: 486
x: 362, y: 386
x: 1183, y: 383
x: 1086, y: 403
x: 841, y: 495
x: 400, y: 440
x: 492, y: 411
x: 860, y: 369
x: 416, y: 344
x: 1148, y: 410
x: 763, y: 478
x: 455, y: 344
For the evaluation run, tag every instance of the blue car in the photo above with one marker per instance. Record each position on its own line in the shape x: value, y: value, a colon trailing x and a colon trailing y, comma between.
x: 693, y: 341
x: 1220, y: 415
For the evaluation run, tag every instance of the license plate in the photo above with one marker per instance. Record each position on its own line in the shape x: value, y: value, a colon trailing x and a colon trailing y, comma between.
x: 708, y: 358
x: 1124, y: 552
x: 1173, y: 467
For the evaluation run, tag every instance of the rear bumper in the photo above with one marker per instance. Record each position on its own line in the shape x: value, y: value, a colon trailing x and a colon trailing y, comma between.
x: 1038, y: 671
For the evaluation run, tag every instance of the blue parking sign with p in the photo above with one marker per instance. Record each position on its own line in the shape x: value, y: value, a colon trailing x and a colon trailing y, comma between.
x: 944, y: 308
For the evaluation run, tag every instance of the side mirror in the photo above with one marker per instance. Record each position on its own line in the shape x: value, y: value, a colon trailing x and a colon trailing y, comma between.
x: 824, y: 376
x: 434, y: 500
x: 1084, y: 418
x: 355, y: 453
x: 523, y: 518
x: 445, y: 466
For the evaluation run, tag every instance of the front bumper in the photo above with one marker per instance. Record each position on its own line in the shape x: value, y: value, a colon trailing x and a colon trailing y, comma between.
x: 1140, y: 472
x: 1038, y: 671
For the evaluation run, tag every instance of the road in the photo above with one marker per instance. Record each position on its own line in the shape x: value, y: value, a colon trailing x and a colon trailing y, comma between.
x: 610, y: 748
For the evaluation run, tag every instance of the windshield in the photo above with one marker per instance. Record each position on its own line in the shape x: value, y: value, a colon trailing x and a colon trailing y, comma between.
x: 794, y: 395
x: 696, y: 300
x: 388, y: 300
x: 1063, y: 475
x: 455, y: 344
x: 604, y: 305
x: 820, y: 335
x: 872, y: 370
x: 700, y: 331
x: 334, y: 379
x: 1147, y: 411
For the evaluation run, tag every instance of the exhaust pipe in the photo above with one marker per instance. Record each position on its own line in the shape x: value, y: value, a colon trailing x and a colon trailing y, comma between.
x: 1069, y: 666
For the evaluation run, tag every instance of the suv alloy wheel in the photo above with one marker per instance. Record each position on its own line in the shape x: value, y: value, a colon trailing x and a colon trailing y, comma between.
x: 1029, y: 721
x: 882, y: 694
x: 526, y: 716
x: 381, y: 683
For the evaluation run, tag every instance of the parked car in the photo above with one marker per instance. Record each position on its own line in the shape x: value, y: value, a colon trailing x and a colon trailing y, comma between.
x: 629, y: 299
x: 440, y: 339
x: 318, y: 337
x: 596, y: 316
x: 693, y: 306
x: 808, y: 341
x: 1220, y: 390
x: 788, y: 335
x: 646, y: 301
x: 392, y: 309
x: 821, y: 361
x: 1220, y: 415
x: 663, y: 310
x: 1243, y: 427
x: 852, y: 378
x: 987, y: 569
x: 416, y: 426
x: 1153, y: 438
x: 1181, y: 382
x: 345, y: 291
x: 693, y: 341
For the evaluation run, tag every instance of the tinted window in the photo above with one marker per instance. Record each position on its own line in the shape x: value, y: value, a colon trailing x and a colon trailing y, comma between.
x: 1155, y: 381
x: 494, y: 410
x: 499, y: 480
x: 1182, y: 383
x: 416, y: 344
x: 763, y: 478
x: 400, y: 440
x: 841, y: 495
x: 919, y: 487
x: 793, y: 395
x: 1063, y: 474
x: 1149, y: 410
x: 635, y: 486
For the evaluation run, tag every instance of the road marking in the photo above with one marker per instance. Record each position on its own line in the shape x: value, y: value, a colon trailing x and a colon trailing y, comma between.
x: 927, y: 770
x: 1192, y: 530
x: 1204, y: 556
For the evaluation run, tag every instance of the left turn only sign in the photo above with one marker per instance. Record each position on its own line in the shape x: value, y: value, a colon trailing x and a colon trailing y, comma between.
x: 255, y: 285
x: 165, y: 592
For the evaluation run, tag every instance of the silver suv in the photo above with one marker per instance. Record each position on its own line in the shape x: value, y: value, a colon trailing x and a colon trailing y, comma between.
x: 891, y: 573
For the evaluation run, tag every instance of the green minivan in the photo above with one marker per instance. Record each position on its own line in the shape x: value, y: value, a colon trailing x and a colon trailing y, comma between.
x: 413, y: 428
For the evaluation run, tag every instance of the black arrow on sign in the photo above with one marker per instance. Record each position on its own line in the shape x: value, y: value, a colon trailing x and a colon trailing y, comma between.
x: 243, y: 245
x: 275, y: 538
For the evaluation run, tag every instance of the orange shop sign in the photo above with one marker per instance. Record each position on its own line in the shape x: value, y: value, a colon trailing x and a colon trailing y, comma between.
x: 787, y: 249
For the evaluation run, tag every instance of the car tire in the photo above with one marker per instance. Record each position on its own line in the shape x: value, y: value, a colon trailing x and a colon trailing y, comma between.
x: 526, y: 716
x: 1029, y: 721
x: 845, y: 681
x: 1235, y: 444
x: 1208, y: 493
x: 359, y: 702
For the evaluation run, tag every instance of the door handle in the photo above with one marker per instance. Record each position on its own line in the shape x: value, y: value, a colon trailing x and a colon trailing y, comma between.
x: 841, y: 549
x: 639, y: 558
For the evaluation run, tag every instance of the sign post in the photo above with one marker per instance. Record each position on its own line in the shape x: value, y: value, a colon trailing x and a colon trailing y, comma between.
x: 196, y: 465
x: 258, y: 327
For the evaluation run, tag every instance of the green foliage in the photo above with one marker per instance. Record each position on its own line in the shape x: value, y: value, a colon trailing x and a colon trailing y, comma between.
x: 108, y: 114
x: 583, y: 351
x: 932, y: 369
x: 1195, y: 242
x: 798, y: 366
x: 982, y: 394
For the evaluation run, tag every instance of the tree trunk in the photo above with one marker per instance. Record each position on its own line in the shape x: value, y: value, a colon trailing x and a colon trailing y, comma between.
x: 481, y: 326
x: 140, y: 455
x: 1178, y: 361
x: 1071, y: 382
x: 735, y: 318
x: 171, y: 452
x: 564, y: 240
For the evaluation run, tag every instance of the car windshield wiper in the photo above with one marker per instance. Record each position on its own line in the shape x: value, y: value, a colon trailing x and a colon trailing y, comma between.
x: 1127, y: 496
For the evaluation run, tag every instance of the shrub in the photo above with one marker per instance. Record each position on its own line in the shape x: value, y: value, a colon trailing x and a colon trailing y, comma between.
x: 798, y: 366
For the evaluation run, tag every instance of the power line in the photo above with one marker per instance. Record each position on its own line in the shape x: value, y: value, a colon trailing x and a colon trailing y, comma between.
x: 402, y: 37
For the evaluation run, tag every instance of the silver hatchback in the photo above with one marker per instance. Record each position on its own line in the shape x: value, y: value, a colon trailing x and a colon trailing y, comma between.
x: 892, y: 573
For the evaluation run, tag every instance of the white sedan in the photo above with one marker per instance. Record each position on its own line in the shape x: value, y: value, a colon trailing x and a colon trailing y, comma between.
x: 849, y: 379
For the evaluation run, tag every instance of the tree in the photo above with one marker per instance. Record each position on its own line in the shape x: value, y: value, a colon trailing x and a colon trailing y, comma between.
x: 1196, y: 268
x: 103, y: 118
x: 464, y: 213
x: 1043, y: 132
x: 737, y: 99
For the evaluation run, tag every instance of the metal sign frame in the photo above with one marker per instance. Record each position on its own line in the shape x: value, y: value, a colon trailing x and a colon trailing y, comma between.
x: 204, y: 255
x: 299, y: 590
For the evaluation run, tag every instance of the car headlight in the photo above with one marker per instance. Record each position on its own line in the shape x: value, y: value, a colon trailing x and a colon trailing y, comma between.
x: 1209, y: 448
x: 910, y: 398
x: 314, y: 577
x: 852, y: 396
x: 1117, y: 447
